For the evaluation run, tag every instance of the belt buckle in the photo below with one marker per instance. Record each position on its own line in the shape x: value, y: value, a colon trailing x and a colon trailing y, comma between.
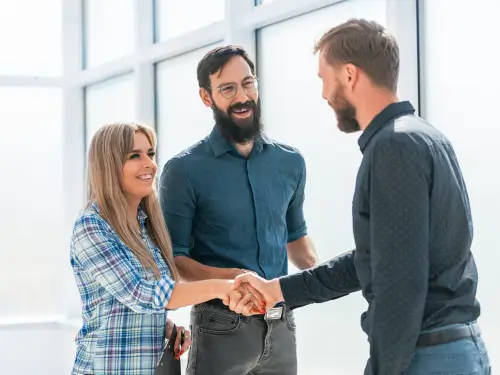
x: 274, y: 314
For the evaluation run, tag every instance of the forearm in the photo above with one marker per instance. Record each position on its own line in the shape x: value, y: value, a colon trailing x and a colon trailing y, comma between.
x: 191, y: 270
x: 302, y: 253
x: 330, y: 280
x: 191, y: 293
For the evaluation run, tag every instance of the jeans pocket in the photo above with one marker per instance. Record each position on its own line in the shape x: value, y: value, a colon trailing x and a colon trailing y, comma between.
x: 218, y: 322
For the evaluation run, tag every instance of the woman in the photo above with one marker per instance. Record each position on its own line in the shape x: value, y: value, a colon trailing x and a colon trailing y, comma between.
x: 122, y: 260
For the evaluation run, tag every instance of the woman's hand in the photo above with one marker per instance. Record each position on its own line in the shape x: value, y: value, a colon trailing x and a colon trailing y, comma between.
x: 245, y: 300
x: 182, y: 341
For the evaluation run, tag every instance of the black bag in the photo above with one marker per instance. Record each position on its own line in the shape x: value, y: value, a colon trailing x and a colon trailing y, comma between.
x: 168, y: 365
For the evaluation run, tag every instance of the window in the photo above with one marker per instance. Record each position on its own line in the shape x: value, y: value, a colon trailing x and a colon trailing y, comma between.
x: 31, y: 37
x: 294, y: 112
x: 109, y: 30
x: 465, y: 107
x: 109, y: 101
x: 182, y: 118
x: 31, y: 168
x: 171, y: 20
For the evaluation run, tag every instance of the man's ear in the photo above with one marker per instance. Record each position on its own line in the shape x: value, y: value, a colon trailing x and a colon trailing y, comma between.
x: 351, y: 76
x: 205, y: 97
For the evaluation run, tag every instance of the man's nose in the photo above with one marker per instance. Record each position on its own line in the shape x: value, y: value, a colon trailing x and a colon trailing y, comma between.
x: 241, y: 96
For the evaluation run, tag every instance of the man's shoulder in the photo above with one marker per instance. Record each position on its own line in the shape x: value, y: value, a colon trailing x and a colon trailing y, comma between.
x: 192, y: 154
x: 287, y: 152
x: 411, y: 133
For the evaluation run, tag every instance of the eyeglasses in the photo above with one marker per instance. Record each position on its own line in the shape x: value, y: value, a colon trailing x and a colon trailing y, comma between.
x: 229, y: 90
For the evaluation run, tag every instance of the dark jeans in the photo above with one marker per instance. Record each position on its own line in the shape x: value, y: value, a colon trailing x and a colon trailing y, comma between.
x: 225, y: 343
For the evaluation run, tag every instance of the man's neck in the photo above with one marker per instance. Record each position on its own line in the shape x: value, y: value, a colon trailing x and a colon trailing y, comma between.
x: 244, y: 148
x: 376, y: 103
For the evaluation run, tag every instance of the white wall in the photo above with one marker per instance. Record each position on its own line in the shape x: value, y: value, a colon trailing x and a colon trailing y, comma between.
x: 42, y: 349
x: 460, y: 85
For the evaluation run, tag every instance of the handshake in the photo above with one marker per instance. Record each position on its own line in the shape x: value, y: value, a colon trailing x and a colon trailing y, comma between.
x: 250, y: 294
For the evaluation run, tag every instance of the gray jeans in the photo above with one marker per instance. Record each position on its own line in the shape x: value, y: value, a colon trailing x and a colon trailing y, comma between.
x: 225, y: 343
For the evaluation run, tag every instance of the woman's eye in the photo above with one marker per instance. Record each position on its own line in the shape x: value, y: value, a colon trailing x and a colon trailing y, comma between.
x: 152, y: 155
x: 134, y: 156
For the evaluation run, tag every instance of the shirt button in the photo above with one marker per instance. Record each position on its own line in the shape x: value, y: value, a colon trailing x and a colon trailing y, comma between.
x: 262, y: 262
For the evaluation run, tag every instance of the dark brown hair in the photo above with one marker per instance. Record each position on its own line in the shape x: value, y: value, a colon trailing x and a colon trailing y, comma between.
x: 216, y: 59
x: 365, y: 44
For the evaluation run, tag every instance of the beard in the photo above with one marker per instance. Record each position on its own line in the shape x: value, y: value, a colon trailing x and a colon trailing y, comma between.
x: 238, y: 130
x: 345, y: 111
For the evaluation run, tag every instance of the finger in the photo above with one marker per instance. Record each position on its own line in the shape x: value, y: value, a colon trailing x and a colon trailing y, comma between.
x: 187, y: 342
x: 247, y: 298
x: 258, y: 297
x: 234, y: 299
x: 225, y: 300
x: 177, y: 342
x: 241, y: 279
x: 251, y: 309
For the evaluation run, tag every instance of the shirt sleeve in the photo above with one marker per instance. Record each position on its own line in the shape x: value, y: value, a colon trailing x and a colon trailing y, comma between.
x: 100, y: 253
x: 295, y: 221
x: 178, y: 204
x: 330, y: 280
x: 399, y: 230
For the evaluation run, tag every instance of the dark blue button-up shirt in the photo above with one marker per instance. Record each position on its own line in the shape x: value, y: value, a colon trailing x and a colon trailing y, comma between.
x: 413, y: 232
x: 225, y: 210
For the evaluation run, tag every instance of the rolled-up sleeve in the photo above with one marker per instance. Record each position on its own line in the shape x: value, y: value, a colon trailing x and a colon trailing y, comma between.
x: 178, y: 205
x: 295, y: 221
x: 102, y: 255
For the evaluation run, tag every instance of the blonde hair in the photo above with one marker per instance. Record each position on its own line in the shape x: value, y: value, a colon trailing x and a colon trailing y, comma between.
x: 108, y: 152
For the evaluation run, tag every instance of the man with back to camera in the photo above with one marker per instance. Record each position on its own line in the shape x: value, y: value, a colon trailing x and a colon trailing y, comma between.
x: 411, y: 219
x: 233, y: 203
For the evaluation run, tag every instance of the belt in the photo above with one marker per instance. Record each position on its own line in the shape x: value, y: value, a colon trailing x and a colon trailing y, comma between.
x: 448, y: 335
x: 277, y: 312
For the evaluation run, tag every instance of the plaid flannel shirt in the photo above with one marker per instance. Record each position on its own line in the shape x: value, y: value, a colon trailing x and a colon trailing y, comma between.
x: 124, y: 314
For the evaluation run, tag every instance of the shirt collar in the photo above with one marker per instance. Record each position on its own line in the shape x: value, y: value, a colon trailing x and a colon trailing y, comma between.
x: 390, y: 112
x: 220, y: 145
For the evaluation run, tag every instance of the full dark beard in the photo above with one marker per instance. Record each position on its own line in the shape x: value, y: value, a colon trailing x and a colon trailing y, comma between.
x: 238, y: 130
x: 346, y: 119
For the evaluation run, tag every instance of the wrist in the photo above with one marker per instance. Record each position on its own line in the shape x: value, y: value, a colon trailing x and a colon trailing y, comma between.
x: 222, y: 288
x: 276, y: 292
x: 234, y: 272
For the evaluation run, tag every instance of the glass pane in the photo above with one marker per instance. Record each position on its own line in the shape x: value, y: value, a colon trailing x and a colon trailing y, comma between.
x: 466, y: 110
x: 182, y: 117
x: 31, y: 37
x: 294, y: 112
x: 109, y: 101
x: 109, y: 30
x: 32, y: 245
x: 171, y: 17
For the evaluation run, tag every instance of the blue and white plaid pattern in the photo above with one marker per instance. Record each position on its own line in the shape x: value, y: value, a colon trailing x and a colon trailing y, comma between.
x: 124, y: 315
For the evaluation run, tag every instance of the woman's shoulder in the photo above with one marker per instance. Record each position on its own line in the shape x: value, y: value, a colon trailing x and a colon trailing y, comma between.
x: 90, y: 221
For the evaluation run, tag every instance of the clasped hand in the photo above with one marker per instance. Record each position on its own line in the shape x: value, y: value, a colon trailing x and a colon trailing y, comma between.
x: 251, y: 295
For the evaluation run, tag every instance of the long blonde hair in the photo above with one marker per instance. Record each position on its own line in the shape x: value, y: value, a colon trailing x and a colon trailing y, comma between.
x: 107, y: 154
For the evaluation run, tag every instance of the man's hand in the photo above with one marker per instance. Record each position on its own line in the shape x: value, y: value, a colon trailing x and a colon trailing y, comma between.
x: 182, y: 341
x: 268, y: 291
x: 235, y: 272
x: 245, y: 300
